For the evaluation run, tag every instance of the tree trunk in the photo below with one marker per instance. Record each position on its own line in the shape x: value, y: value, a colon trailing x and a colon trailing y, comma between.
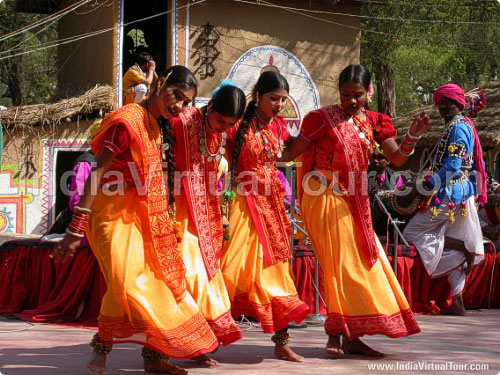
x: 14, y: 84
x: 386, y: 88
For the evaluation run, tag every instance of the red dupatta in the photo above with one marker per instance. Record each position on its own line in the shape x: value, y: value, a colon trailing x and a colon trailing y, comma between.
x: 200, y: 185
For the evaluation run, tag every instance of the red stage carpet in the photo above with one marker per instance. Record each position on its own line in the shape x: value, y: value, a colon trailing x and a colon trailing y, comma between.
x: 36, y: 289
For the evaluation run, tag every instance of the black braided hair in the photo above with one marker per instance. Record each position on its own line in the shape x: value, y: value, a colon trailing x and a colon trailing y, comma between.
x: 180, y: 76
x: 267, y: 82
x: 168, y: 138
x: 229, y: 101
x: 238, y: 142
x: 355, y: 73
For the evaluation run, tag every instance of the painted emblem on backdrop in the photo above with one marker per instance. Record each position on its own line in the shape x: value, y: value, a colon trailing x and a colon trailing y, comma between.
x: 303, y: 96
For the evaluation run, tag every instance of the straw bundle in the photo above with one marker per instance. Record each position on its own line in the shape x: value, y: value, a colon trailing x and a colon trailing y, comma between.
x: 98, y: 100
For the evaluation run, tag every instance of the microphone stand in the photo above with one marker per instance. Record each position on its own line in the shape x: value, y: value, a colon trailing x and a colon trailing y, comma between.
x: 397, y: 233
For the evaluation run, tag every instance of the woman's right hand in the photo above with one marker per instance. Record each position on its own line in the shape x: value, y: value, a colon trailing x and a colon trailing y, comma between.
x: 66, y: 248
x: 420, y: 125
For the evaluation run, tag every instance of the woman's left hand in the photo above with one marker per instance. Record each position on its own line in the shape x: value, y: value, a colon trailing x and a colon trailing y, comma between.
x: 420, y: 125
x: 66, y: 248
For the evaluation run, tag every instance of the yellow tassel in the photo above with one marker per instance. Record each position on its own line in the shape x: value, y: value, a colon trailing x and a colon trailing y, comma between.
x: 452, y: 216
x: 464, y: 212
x: 434, y: 211
x: 451, y: 148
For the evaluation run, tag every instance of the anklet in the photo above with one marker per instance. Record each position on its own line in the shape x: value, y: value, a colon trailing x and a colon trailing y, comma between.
x: 99, y: 347
x: 151, y: 355
x: 281, y: 338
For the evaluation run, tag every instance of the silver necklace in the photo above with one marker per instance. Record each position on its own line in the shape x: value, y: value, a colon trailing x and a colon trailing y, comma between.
x: 203, y: 144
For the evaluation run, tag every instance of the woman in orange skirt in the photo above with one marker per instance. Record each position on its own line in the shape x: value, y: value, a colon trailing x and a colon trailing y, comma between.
x: 255, y: 258
x: 131, y: 231
x: 200, y: 136
x: 363, y: 296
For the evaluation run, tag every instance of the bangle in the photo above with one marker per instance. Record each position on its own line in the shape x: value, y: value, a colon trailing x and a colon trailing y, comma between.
x: 83, y: 209
x: 75, y: 234
x: 412, y: 137
x: 408, y: 153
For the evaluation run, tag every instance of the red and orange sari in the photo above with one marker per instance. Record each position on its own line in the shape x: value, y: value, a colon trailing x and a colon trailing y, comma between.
x: 198, y: 212
x: 363, y: 296
x: 133, y: 239
x: 255, y: 261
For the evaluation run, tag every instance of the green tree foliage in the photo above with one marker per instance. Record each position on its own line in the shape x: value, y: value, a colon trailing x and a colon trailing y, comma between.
x: 29, y: 78
x: 427, y: 44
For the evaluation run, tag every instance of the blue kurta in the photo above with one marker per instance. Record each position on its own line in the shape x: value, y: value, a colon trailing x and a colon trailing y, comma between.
x: 453, y: 163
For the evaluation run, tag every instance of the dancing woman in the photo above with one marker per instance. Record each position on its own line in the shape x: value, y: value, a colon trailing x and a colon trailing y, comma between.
x: 363, y: 296
x: 254, y: 261
x: 200, y: 145
x: 131, y: 231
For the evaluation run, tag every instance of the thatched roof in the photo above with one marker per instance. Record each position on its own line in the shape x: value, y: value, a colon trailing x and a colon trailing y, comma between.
x: 487, y: 121
x: 96, y: 101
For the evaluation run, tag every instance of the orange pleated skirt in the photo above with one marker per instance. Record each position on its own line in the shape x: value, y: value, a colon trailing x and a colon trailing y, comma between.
x: 267, y: 294
x: 138, y: 306
x: 210, y: 295
x: 360, y: 300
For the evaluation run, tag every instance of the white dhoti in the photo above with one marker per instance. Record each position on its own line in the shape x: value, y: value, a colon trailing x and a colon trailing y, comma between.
x: 427, y: 233
x: 141, y: 90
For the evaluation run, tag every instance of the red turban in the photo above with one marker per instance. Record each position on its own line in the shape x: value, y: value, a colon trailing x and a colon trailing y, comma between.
x: 450, y: 91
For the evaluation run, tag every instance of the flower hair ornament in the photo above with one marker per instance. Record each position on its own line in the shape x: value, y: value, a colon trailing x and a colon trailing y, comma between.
x: 475, y: 100
x: 224, y: 82
x: 370, y: 93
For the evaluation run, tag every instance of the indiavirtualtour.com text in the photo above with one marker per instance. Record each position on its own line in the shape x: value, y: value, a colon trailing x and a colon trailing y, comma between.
x: 258, y: 182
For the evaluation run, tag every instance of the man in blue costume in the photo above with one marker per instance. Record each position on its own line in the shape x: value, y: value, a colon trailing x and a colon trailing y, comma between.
x: 448, y: 234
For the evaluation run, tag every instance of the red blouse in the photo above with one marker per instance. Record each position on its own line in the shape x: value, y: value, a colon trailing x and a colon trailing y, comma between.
x: 328, y: 151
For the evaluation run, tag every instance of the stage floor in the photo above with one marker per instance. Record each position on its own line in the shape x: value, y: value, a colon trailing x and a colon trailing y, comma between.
x: 456, y: 342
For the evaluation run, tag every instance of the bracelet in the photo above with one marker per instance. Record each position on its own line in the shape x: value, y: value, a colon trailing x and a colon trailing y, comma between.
x: 407, y: 146
x: 412, y: 137
x: 407, y: 153
x: 82, y: 209
x: 78, y: 224
x: 79, y: 235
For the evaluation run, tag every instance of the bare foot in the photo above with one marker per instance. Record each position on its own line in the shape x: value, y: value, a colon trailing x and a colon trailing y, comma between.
x: 469, y: 257
x: 97, y: 363
x: 285, y: 352
x: 334, y: 345
x: 456, y: 308
x: 205, y: 361
x: 163, y: 366
x: 359, y: 347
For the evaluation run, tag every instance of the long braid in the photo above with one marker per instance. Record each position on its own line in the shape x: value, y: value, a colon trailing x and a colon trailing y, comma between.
x: 169, y: 140
x: 229, y: 195
x: 238, y: 142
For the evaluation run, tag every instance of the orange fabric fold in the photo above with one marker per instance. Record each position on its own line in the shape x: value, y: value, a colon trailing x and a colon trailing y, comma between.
x: 146, y: 154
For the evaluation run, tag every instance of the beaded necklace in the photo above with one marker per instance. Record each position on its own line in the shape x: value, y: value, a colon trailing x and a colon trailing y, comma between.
x: 261, y: 125
x: 365, y: 133
x: 204, y: 147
